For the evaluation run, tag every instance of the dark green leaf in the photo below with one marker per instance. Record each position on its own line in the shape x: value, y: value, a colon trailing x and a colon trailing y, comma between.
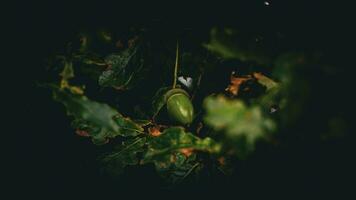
x: 159, y: 100
x: 230, y: 44
x: 182, y: 167
x: 99, y: 120
x: 127, y: 126
x: 101, y: 137
x: 125, y: 69
x: 93, y: 112
x: 174, y: 139
x: 273, y: 95
x: 125, y: 154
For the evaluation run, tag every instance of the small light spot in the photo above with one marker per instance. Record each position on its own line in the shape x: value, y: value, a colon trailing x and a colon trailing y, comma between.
x: 266, y: 3
x: 273, y: 109
x: 188, y: 82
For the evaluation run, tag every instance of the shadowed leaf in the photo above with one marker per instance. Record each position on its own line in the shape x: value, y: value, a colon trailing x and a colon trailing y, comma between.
x: 125, y: 154
x: 93, y: 112
x: 125, y: 69
x: 172, y: 140
x: 229, y: 44
x: 159, y: 100
x: 99, y: 120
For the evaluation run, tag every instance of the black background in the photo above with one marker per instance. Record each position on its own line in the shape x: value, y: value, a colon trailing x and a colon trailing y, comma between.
x: 45, y: 158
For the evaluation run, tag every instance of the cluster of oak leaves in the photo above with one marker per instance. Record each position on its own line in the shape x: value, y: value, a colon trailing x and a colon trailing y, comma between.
x: 231, y: 125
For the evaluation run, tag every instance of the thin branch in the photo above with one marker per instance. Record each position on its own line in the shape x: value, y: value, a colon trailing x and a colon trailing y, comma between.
x: 176, y: 67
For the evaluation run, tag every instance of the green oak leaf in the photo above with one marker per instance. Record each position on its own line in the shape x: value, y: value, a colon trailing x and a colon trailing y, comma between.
x: 273, y: 95
x: 159, y: 100
x: 240, y: 123
x: 142, y: 122
x: 99, y: 120
x: 229, y: 44
x: 172, y: 140
x: 124, y: 155
x: 182, y: 167
x: 81, y: 107
x: 100, y: 136
x: 127, y: 126
x: 125, y: 69
x: 187, y: 168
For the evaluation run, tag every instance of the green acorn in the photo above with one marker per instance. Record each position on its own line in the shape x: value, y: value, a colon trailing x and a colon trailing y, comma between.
x: 179, y: 107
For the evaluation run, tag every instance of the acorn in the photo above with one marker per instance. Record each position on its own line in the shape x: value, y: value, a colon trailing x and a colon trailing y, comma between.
x: 179, y: 107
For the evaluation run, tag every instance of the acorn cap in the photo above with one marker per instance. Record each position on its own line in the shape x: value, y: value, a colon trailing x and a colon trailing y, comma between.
x: 175, y: 91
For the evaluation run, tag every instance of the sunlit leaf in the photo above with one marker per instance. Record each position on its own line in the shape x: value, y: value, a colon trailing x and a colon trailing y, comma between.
x: 265, y: 81
x: 239, y: 122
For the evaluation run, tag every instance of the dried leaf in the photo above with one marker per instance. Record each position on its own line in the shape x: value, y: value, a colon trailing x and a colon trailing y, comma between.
x: 187, y: 151
x: 235, y: 84
x: 154, y: 131
x: 265, y: 81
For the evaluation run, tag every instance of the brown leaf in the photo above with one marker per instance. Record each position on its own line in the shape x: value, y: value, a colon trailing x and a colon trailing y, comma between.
x: 82, y: 133
x: 264, y: 80
x: 222, y: 161
x: 154, y: 131
x: 186, y: 151
x: 235, y: 83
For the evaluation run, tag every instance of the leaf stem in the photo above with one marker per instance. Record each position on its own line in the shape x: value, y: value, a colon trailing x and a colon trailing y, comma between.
x: 107, y: 158
x: 176, y: 66
x: 190, y: 171
x: 131, y: 129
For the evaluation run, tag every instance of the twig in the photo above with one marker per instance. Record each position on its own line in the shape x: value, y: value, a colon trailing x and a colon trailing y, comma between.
x: 176, y: 67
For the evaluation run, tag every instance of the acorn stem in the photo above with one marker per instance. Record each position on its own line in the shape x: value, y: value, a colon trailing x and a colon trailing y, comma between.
x: 176, y: 67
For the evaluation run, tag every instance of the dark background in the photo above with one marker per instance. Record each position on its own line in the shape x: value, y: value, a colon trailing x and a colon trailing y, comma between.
x: 44, y: 157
